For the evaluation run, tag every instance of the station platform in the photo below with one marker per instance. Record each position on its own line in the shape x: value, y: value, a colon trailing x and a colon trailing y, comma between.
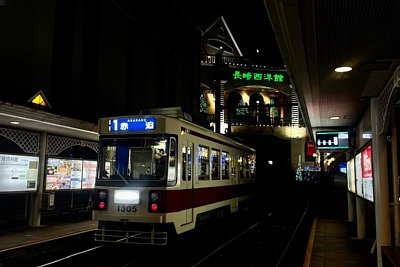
x: 331, y: 241
x: 332, y: 238
x: 22, y: 236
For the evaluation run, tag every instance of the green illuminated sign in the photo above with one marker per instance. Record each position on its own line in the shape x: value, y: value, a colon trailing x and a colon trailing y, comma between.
x: 256, y: 76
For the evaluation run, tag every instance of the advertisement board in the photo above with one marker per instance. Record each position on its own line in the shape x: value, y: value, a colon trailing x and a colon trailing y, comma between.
x: 89, y: 174
x: 70, y: 174
x: 351, y: 176
x: 18, y: 173
x: 358, y: 169
x: 364, y: 173
x: 367, y: 175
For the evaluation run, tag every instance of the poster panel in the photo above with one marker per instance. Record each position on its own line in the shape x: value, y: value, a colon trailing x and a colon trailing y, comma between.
x: 76, y: 174
x: 358, y: 170
x: 351, y: 176
x: 367, y: 175
x: 70, y: 174
x: 58, y: 174
x: 18, y: 173
x: 89, y: 174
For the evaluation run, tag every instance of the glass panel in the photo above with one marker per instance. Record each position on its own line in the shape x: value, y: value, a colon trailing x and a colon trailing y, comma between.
x: 171, y: 165
x: 240, y: 164
x: 225, y: 160
x: 215, y: 164
x: 252, y: 163
x: 189, y: 166
x: 133, y: 159
x: 203, y: 167
x: 183, y: 163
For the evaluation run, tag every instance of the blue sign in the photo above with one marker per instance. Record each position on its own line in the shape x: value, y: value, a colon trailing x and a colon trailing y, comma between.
x: 132, y: 124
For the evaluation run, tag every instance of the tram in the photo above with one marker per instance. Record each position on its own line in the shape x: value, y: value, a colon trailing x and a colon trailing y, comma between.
x: 160, y: 175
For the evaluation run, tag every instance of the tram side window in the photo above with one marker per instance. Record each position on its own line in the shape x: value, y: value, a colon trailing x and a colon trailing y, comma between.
x: 172, y: 156
x: 184, y: 163
x: 189, y: 163
x: 247, y: 167
x: 240, y: 164
x: 252, y: 163
x: 203, y: 167
x: 225, y: 165
x: 215, y: 164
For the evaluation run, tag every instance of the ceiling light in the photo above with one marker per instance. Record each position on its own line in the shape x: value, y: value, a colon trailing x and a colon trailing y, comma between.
x: 343, y: 69
x: 334, y: 118
x: 14, y: 122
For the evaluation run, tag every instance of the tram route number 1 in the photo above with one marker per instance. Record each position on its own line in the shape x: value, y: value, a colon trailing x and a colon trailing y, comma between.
x: 126, y: 208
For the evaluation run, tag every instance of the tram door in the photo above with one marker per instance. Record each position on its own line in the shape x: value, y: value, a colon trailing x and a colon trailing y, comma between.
x: 187, y: 179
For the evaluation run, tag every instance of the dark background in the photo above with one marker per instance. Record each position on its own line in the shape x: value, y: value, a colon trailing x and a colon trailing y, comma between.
x: 105, y: 58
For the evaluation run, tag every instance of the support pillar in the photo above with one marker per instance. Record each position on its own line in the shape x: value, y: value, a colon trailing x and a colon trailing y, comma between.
x: 361, y: 218
x: 395, y: 175
x: 37, y: 201
x: 350, y: 206
x: 381, y: 184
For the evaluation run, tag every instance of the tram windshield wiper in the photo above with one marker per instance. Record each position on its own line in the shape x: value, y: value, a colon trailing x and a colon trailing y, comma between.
x: 120, y: 175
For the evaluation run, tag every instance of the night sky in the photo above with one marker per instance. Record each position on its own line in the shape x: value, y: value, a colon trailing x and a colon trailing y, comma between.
x: 116, y: 57
x: 248, y: 22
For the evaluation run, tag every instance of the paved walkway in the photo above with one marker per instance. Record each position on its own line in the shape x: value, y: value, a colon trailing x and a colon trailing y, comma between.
x: 332, y: 241
x: 17, y: 237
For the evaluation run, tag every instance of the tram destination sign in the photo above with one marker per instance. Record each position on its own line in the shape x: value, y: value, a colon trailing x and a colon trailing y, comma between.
x: 132, y: 124
x: 332, y: 140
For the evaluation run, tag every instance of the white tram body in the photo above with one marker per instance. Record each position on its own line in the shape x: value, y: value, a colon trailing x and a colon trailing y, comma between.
x: 160, y: 174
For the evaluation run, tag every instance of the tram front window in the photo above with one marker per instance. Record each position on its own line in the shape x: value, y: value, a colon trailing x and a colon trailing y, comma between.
x: 136, y: 159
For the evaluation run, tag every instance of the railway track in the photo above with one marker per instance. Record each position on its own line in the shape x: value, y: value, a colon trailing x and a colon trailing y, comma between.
x: 265, y: 239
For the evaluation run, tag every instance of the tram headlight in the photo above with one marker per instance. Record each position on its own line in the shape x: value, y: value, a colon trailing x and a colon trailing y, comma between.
x: 154, y: 196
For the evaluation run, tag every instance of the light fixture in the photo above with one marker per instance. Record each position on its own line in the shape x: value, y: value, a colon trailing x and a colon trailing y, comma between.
x: 334, y: 118
x: 343, y: 69
x: 14, y: 122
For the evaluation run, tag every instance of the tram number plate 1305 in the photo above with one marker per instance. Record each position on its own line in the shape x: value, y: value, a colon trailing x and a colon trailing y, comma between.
x: 126, y: 208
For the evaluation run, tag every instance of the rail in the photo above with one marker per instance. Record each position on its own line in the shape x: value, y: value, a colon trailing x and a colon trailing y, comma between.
x: 293, y: 251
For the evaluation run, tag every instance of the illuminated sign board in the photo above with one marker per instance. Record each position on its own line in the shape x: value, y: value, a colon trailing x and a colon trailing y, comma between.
x: 70, y: 174
x: 275, y: 77
x: 18, y: 173
x: 358, y: 169
x: 332, y: 140
x: 351, y: 176
x: 367, y: 176
x: 364, y: 174
x: 132, y: 124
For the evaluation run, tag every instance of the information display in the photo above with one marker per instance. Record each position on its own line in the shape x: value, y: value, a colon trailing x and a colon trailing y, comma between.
x: 332, y: 140
x: 70, y: 174
x: 18, y: 173
x: 132, y: 124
